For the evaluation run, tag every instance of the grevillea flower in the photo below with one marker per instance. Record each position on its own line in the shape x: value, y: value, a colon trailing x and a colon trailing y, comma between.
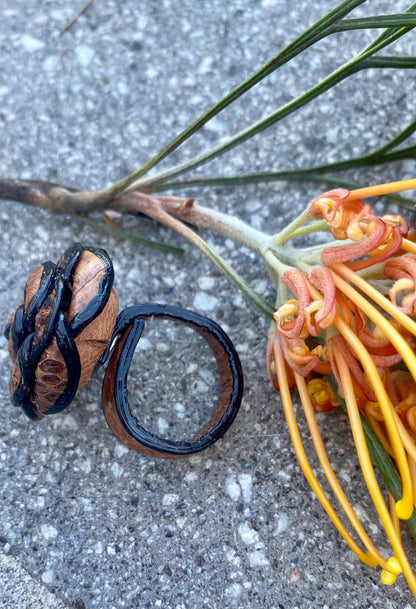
x: 345, y: 336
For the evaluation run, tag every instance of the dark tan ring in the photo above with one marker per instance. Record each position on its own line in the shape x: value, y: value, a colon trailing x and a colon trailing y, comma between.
x: 115, y: 403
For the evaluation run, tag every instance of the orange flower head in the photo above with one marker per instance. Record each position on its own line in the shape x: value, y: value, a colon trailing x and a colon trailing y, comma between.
x: 347, y: 333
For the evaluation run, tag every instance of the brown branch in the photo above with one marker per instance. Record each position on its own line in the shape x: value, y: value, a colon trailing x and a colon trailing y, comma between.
x: 138, y: 201
x: 78, y: 14
x: 60, y: 199
x: 54, y: 197
x: 67, y: 200
x: 159, y: 207
x: 168, y: 210
x: 33, y: 192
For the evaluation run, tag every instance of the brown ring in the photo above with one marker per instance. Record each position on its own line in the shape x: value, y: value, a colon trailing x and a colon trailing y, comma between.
x: 114, y: 395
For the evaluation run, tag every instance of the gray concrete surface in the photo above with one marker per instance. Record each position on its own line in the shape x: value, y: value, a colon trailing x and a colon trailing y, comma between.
x: 84, y: 519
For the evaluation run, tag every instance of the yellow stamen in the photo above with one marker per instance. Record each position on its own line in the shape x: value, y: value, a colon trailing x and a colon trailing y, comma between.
x: 388, y: 576
x: 397, y: 341
x: 411, y: 418
x: 381, y: 189
x: 403, y: 319
x: 288, y: 310
x: 383, y: 324
x: 321, y: 394
x: 409, y: 246
x: 331, y: 477
x: 412, y: 465
x: 303, y: 460
x: 407, y: 439
x: 400, y: 562
x: 404, y: 506
x: 395, y: 520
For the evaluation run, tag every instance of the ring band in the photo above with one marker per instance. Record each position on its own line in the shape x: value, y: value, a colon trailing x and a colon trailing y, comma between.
x: 127, y: 333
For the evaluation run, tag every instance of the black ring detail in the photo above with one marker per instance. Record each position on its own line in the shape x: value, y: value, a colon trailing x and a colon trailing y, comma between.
x: 68, y: 260
x: 133, y: 317
x: 96, y: 304
x: 21, y: 396
x: 47, y: 284
x: 17, y: 329
x: 71, y: 358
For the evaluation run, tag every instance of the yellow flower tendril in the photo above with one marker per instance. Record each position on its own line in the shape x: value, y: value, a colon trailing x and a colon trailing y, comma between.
x: 382, y: 189
x: 337, y: 329
x: 404, y: 507
x: 393, y: 568
x: 307, y: 470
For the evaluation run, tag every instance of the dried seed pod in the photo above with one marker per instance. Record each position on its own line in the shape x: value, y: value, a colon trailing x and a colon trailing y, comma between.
x: 59, y: 333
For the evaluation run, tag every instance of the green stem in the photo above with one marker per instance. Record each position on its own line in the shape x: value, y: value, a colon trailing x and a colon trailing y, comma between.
x: 396, y: 141
x: 282, y: 258
x: 287, y: 233
x: 392, y: 31
x: 248, y: 133
x: 228, y: 226
x: 320, y: 226
x: 168, y: 220
x: 311, y: 174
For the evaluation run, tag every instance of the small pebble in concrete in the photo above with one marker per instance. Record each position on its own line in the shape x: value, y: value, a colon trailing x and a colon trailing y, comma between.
x: 31, y: 44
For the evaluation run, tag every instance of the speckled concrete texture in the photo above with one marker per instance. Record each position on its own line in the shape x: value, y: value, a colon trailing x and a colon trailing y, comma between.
x: 84, y: 520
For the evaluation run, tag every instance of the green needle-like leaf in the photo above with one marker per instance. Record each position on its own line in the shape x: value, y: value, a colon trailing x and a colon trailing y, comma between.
x: 324, y: 173
x: 361, y: 62
x: 312, y: 35
x: 383, y: 21
x: 166, y: 248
